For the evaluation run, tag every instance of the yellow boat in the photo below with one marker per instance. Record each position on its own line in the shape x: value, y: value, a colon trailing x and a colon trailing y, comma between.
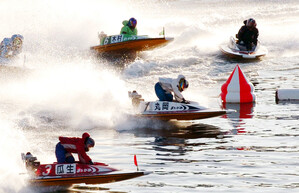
x: 120, y: 45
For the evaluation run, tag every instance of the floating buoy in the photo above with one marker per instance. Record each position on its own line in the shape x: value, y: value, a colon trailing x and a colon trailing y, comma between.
x: 287, y: 95
x: 237, y: 89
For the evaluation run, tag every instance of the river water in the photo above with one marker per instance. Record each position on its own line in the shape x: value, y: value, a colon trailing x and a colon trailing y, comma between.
x: 57, y: 88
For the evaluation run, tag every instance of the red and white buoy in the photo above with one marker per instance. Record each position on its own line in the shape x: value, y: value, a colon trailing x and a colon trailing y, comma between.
x: 237, y: 89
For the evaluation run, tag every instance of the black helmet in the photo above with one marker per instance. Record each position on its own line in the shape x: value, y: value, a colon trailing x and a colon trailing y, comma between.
x: 250, y: 22
x: 90, y: 142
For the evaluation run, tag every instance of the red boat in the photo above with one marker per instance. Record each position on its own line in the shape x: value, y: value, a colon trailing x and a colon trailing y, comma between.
x: 67, y: 174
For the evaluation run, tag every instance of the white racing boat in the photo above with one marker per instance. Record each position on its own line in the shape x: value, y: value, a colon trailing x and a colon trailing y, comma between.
x: 164, y: 110
x: 238, y: 51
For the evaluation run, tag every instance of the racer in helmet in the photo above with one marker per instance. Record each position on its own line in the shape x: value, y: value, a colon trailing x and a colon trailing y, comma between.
x: 69, y: 145
x: 129, y: 27
x: 10, y: 47
x: 247, y: 35
x: 166, y: 86
x: 89, y: 144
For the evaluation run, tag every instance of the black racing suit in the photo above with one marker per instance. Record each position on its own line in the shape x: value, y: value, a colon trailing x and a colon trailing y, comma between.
x: 248, y: 37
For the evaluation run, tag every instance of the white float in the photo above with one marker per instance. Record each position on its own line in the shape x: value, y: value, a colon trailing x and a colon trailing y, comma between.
x: 237, y: 89
x: 287, y: 95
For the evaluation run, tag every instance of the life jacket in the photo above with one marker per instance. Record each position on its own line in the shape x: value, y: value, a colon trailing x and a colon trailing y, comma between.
x: 76, y: 145
x: 127, y: 30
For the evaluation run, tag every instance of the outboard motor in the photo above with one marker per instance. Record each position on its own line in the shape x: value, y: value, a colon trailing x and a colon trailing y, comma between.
x: 102, y: 37
x: 31, y: 162
x: 136, y: 98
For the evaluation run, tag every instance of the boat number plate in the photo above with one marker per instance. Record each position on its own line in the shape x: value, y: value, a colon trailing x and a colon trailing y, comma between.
x: 65, y: 169
x: 116, y: 39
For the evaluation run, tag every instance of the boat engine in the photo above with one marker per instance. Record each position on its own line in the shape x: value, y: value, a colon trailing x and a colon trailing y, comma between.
x: 30, y: 161
x: 102, y: 36
x: 136, y: 98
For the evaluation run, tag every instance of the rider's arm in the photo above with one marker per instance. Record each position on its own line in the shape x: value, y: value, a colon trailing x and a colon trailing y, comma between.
x: 177, y: 94
x: 256, y: 35
x: 83, y: 157
x: 241, y: 32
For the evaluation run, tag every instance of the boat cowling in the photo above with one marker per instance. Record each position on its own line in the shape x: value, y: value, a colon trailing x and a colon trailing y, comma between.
x: 170, y: 107
x: 120, y: 38
x: 72, y: 169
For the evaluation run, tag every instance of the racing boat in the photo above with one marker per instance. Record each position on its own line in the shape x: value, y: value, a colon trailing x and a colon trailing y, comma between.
x: 164, y: 110
x: 119, y: 45
x: 238, y: 51
x: 67, y: 174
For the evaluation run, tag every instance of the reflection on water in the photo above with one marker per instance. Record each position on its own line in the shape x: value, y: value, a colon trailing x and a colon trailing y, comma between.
x: 176, y: 142
x: 287, y: 102
x: 61, y: 189
x: 180, y: 130
x: 173, y: 138
x: 240, y: 112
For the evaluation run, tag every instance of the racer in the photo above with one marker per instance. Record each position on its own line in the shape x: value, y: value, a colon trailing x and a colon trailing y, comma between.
x: 69, y: 145
x: 247, y: 35
x: 129, y: 27
x: 166, y: 86
x: 10, y: 47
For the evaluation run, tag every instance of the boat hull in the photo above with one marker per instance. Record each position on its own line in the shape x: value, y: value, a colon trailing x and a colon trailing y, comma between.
x: 132, y: 46
x: 241, y: 54
x: 92, y: 179
x: 166, y: 110
x: 184, y: 116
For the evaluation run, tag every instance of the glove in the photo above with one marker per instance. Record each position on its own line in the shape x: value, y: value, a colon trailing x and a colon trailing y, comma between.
x: 90, y: 162
x: 185, y: 101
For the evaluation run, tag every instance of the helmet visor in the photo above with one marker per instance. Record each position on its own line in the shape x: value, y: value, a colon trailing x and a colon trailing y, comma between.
x: 90, y: 146
x: 183, y: 85
x: 132, y: 23
x: 17, y: 42
x: 251, y: 23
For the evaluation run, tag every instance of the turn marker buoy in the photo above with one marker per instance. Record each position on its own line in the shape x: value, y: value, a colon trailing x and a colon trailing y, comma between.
x: 237, y: 89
